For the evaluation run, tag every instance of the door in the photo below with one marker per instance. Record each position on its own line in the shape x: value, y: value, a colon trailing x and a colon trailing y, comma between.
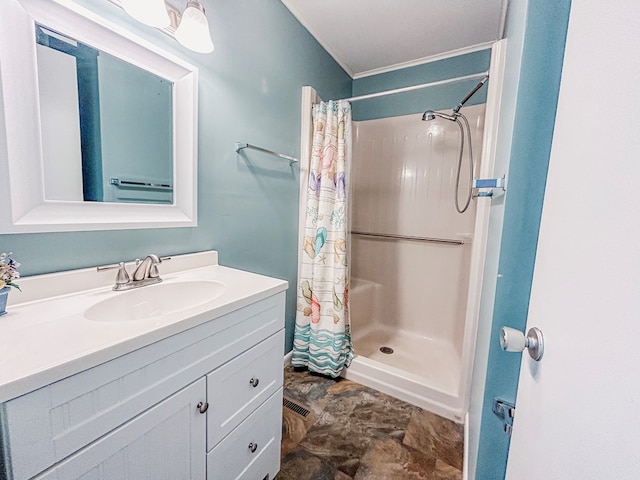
x: 578, y: 409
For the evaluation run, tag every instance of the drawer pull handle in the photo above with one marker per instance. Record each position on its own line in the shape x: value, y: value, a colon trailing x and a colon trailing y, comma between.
x: 253, y: 447
x: 202, y: 407
x: 254, y: 382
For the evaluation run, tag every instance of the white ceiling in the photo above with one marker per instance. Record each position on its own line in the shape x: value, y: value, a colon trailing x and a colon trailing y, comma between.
x: 372, y: 36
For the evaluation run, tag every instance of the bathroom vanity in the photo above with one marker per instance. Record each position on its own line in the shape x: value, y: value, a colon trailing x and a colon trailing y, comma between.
x: 168, y: 391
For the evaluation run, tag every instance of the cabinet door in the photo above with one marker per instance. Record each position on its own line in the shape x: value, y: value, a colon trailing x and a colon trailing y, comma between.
x: 166, y: 442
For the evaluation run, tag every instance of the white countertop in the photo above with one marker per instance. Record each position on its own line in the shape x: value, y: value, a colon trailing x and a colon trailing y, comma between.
x: 44, y: 340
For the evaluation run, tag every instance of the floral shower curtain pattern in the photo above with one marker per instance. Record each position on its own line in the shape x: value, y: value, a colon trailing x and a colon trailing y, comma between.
x: 322, y: 341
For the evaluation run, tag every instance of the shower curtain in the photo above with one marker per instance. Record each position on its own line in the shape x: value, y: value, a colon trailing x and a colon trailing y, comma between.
x: 322, y: 341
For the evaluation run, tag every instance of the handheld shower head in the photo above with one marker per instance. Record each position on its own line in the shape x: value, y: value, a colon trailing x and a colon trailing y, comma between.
x: 456, y: 117
x: 431, y: 115
x: 428, y: 115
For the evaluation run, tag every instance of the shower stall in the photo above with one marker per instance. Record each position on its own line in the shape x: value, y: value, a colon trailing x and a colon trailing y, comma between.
x: 416, y: 262
x: 410, y: 256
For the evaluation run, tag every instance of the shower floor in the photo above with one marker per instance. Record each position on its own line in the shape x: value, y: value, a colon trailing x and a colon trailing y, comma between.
x: 423, y: 360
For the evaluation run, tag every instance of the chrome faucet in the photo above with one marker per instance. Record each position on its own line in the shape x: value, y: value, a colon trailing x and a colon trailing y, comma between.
x: 147, y: 269
x: 146, y: 273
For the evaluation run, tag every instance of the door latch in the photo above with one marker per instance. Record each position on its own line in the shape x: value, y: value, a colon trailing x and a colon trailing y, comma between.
x: 505, y: 411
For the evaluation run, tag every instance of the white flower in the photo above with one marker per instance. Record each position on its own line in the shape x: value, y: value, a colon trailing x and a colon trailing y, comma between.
x: 8, y: 271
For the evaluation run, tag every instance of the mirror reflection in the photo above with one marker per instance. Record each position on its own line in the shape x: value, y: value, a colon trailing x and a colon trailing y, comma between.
x: 106, y: 125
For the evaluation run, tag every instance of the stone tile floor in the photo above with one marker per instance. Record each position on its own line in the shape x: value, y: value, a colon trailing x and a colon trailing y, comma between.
x: 356, y: 433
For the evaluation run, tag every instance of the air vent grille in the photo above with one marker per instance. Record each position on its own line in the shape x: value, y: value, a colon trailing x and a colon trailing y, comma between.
x: 294, y: 407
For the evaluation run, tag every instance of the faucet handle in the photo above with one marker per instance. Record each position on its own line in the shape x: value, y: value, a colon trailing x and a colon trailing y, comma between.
x: 122, y: 277
x: 153, y: 269
x: 102, y: 268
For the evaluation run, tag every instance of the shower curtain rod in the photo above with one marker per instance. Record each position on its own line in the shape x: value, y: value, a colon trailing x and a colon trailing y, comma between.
x: 473, y: 76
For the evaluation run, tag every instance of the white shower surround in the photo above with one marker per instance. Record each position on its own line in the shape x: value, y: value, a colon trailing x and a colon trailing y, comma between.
x: 442, y: 398
x: 406, y: 294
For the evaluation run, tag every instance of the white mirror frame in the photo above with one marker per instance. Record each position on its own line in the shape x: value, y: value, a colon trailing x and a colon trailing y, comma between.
x: 23, y: 207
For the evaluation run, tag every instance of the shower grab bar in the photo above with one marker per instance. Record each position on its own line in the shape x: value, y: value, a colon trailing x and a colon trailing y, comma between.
x: 240, y: 146
x: 409, y: 237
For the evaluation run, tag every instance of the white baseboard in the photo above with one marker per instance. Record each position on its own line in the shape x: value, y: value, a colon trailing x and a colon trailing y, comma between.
x: 465, y: 461
x: 287, y: 358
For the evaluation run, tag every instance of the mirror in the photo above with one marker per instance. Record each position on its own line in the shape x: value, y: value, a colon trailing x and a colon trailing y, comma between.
x: 123, y: 156
x: 106, y: 125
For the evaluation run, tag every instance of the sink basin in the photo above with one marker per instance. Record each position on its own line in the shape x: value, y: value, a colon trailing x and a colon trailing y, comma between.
x: 154, y: 301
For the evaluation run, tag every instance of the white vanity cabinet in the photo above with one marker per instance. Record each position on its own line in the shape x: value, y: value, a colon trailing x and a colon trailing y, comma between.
x: 203, y: 403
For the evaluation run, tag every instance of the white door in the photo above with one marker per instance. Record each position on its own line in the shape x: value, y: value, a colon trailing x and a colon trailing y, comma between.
x: 578, y: 409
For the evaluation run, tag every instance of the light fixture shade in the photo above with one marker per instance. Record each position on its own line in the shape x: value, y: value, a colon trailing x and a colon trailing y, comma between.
x: 193, y: 31
x: 150, y: 12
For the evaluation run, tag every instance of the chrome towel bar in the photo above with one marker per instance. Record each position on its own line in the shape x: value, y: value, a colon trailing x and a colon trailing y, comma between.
x: 409, y: 237
x: 241, y: 145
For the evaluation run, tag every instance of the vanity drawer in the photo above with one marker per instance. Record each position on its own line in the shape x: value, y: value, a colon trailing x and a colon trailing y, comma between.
x: 60, y: 419
x: 252, y: 450
x: 238, y: 387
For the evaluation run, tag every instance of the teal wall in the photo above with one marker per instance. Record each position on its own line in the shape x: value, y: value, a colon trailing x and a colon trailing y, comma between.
x: 443, y: 97
x: 250, y: 90
x: 542, y: 57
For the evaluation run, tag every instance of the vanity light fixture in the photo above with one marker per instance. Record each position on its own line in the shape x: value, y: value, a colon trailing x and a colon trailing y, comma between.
x: 190, y: 28
x: 193, y: 31
x: 150, y: 12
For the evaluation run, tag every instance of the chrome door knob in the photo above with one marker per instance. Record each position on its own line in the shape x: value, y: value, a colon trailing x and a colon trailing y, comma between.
x: 512, y: 340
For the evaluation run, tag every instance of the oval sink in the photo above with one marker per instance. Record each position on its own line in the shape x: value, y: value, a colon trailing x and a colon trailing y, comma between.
x: 154, y: 301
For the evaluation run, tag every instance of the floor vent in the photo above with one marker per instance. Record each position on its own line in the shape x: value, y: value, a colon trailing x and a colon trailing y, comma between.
x: 294, y: 407
x: 387, y: 350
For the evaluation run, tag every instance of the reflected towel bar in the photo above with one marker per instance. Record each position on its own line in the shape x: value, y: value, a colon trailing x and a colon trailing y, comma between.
x: 119, y: 182
x: 409, y: 237
x: 240, y: 146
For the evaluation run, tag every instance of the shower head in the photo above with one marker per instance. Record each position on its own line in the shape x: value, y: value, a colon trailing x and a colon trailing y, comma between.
x: 428, y: 115
x: 431, y: 115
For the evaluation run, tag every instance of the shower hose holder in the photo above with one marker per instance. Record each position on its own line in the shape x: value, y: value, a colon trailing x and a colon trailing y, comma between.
x: 485, y: 186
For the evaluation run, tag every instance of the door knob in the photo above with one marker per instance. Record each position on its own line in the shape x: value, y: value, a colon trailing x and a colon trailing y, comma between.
x: 512, y: 340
